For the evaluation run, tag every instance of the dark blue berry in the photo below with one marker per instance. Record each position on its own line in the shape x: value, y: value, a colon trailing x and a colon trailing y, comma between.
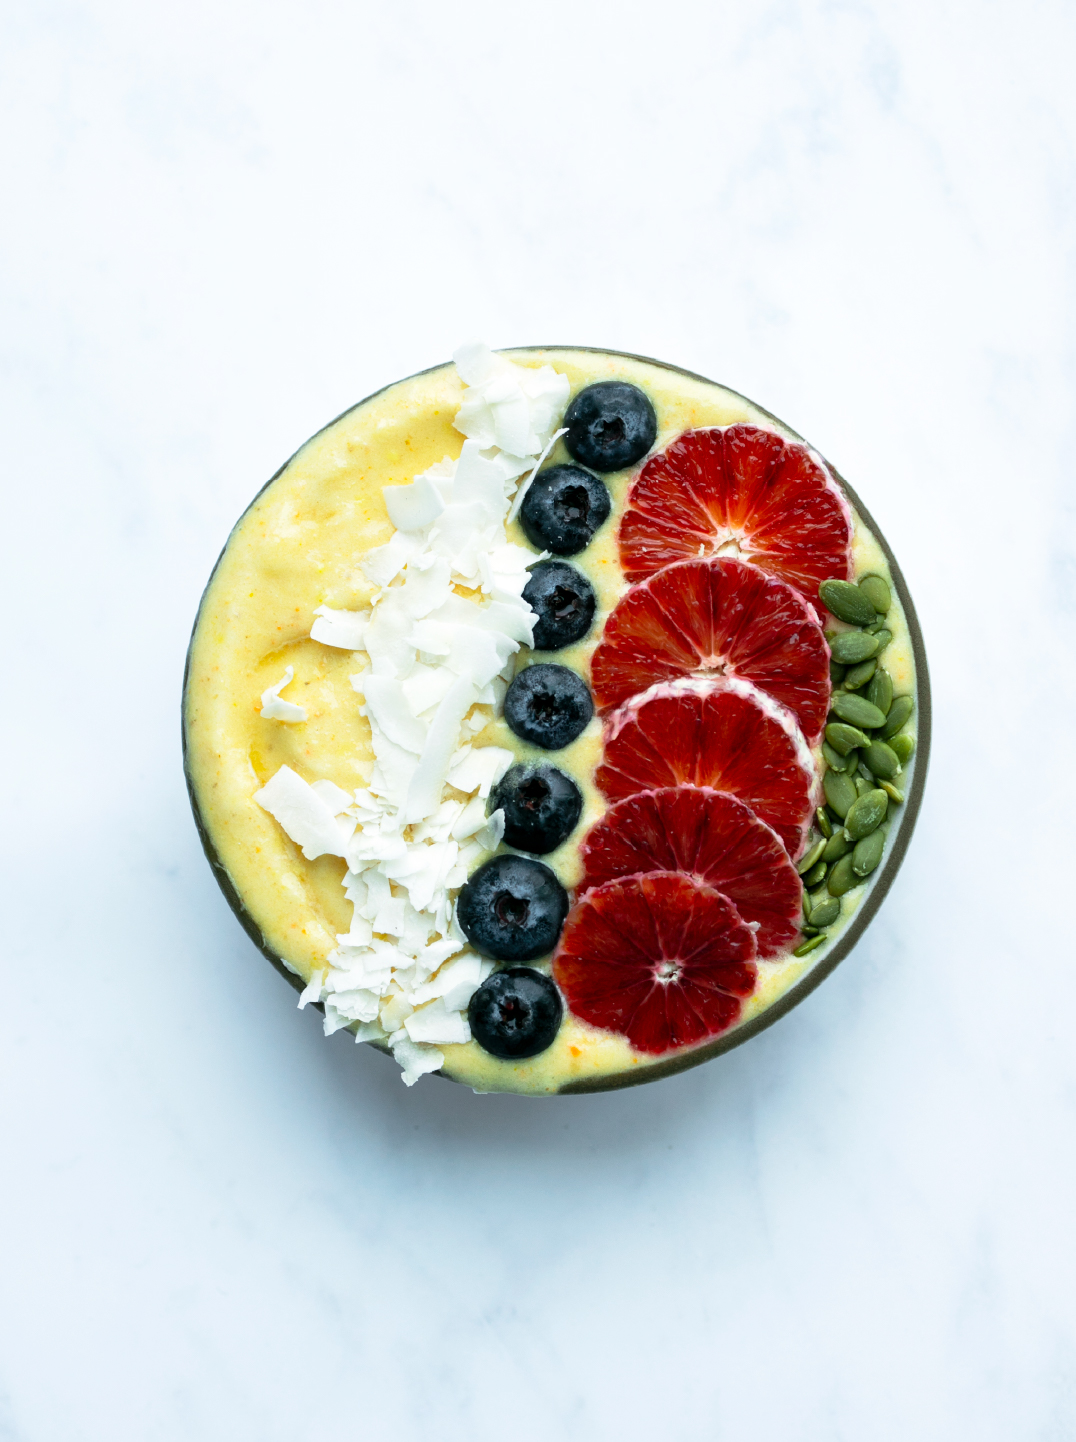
x: 515, y: 1013
x: 512, y: 909
x: 564, y: 601
x: 541, y: 806
x: 548, y: 705
x: 610, y: 425
x: 563, y: 508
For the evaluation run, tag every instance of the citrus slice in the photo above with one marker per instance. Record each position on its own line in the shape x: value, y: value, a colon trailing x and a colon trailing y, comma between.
x: 741, y: 491
x: 724, y: 734
x: 711, y: 836
x: 715, y: 617
x: 662, y: 959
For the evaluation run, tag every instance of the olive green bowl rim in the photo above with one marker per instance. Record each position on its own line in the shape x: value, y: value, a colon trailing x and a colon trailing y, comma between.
x: 879, y: 886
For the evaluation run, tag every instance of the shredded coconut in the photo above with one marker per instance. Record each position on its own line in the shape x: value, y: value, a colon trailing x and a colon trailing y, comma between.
x: 440, y: 638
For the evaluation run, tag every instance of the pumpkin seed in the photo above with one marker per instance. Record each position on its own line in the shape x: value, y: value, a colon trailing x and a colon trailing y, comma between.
x: 893, y: 792
x: 876, y: 590
x: 844, y: 739
x: 859, y: 675
x: 867, y: 854
x: 875, y: 626
x: 880, y: 691
x: 858, y: 711
x: 840, y: 792
x: 851, y: 647
x: 822, y: 821
x: 899, y: 712
x: 825, y: 913
x: 837, y: 846
x: 836, y: 673
x: 903, y: 746
x: 866, y: 814
x: 846, y: 602
x: 883, y: 637
x: 882, y: 760
x: 842, y: 878
x: 806, y: 903
x: 806, y: 947
x: 811, y: 856
x: 816, y: 875
x: 863, y: 785
x: 831, y: 758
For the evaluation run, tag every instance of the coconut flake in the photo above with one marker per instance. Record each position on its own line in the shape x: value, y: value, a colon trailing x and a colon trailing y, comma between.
x: 435, y: 1023
x: 479, y: 768
x: 335, y: 797
x: 273, y: 708
x: 343, y: 629
x: 302, y: 813
x: 415, y: 1060
x: 413, y: 507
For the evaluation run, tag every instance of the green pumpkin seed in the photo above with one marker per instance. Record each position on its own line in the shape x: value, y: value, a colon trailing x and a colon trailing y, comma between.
x: 903, y: 747
x: 844, y: 739
x: 816, y: 875
x: 811, y: 944
x: 831, y: 758
x: 822, y: 822
x: 863, y: 784
x: 857, y: 711
x: 825, y: 913
x: 840, y: 792
x: 842, y: 878
x: 810, y: 857
x: 859, y: 675
x: 867, y: 854
x: 893, y: 792
x: 876, y: 590
x: 851, y: 647
x: 836, y: 673
x: 882, y: 760
x: 883, y: 637
x: 880, y: 691
x: 846, y: 602
x: 837, y: 846
x: 899, y: 712
x: 875, y: 626
x: 866, y: 814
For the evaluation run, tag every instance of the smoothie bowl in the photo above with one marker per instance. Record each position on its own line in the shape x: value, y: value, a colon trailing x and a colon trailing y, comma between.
x: 554, y: 720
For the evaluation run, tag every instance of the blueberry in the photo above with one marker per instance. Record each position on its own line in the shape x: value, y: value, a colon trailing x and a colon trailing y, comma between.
x: 610, y: 425
x: 512, y: 909
x: 565, y: 602
x: 541, y: 806
x: 548, y: 705
x: 563, y: 508
x: 516, y: 1013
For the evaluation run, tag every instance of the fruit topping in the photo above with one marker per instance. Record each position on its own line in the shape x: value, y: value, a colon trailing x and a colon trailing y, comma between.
x: 661, y: 958
x: 564, y: 601
x: 716, y: 616
x: 610, y: 425
x: 563, y: 508
x: 541, y: 806
x: 742, y: 491
x: 707, y: 834
x: 515, y: 1014
x: 512, y: 909
x: 548, y: 705
x: 723, y: 734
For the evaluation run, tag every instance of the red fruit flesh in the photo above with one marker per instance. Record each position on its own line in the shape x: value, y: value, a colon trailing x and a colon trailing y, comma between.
x: 718, y: 616
x: 741, y: 491
x: 711, y: 836
x: 718, y: 734
x: 661, y: 958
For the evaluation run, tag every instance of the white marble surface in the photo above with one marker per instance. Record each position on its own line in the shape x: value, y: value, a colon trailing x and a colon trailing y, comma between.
x: 227, y: 221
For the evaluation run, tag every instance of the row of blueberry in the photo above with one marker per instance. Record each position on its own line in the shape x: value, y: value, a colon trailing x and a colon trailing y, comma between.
x: 512, y: 908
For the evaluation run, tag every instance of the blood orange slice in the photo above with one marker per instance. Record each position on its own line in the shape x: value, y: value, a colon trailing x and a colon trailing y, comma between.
x: 724, y: 734
x: 661, y: 958
x: 711, y: 836
x: 743, y: 492
x: 719, y: 616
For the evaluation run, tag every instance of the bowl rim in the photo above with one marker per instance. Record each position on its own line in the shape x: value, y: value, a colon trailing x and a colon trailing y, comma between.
x: 879, y: 885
